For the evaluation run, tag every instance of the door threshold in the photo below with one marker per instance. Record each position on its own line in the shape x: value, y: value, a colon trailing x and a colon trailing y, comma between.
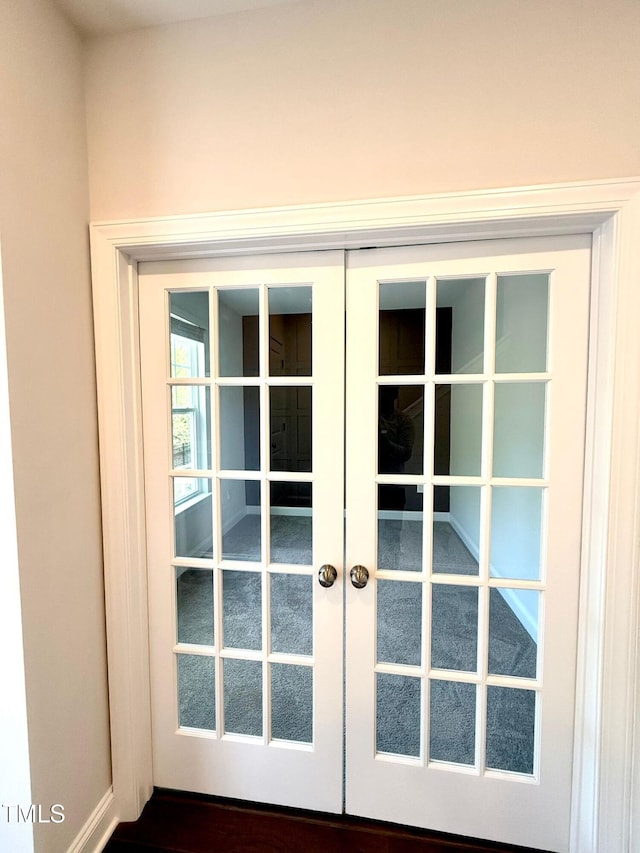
x: 180, y: 822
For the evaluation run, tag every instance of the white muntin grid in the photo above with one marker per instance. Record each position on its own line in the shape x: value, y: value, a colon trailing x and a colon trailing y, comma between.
x: 218, y: 476
x: 481, y: 678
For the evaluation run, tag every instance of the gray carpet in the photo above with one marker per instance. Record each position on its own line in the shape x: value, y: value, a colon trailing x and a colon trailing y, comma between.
x: 290, y: 540
x: 510, y: 712
x: 400, y: 547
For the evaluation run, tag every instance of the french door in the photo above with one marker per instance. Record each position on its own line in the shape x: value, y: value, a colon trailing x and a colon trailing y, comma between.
x: 447, y: 582
x: 243, y: 406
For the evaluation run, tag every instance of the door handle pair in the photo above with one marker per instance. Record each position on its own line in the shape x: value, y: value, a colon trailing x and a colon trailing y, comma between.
x: 328, y: 574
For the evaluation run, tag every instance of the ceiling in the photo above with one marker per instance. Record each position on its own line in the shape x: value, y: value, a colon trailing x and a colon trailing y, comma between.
x: 97, y: 17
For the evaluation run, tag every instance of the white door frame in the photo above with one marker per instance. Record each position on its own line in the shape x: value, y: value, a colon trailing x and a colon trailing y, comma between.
x: 607, y: 745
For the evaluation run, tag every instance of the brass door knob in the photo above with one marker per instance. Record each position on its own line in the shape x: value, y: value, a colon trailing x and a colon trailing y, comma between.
x: 359, y: 576
x: 327, y: 575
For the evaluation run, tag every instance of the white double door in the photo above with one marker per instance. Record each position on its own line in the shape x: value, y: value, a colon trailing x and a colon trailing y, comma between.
x: 364, y: 548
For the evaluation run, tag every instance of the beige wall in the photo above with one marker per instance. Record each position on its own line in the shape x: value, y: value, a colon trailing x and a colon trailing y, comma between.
x: 319, y: 100
x: 47, y: 300
x: 15, y: 776
x: 341, y: 99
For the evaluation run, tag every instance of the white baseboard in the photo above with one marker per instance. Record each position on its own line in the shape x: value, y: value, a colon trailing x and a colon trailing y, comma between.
x: 287, y: 510
x: 235, y: 518
x: 471, y: 546
x: 97, y: 831
x: 399, y: 515
x: 526, y: 619
x: 511, y: 597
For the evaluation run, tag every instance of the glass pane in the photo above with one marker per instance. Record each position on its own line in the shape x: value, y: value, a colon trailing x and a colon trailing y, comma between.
x: 185, y: 488
x: 441, y: 498
x: 511, y: 718
x: 521, y: 323
x: 458, y: 430
x: 292, y: 702
x: 291, y: 614
x: 290, y: 331
x: 402, y: 315
x: 239, y: 428
x: 191, y: 430
x: 454, y: 627
x: 398, y: 714
x: 460, y: 325
x: 193, y: 526
x: 452, y: 729
x: 291, y: 523
x: 196, y: 692
x: 238, y: 332
x: 189, y: 333
x: 516, y: 531
x: 194, y: 606
x: 290, y: 428
x: 400, y: 429
x: 242, y: 696
x: 518, y: 431
x: 399, y: 617
x: 240, y: 511
x: 513, y: 632
x: 456, y: 538
x: 400, y: 528
x: 242, y: 609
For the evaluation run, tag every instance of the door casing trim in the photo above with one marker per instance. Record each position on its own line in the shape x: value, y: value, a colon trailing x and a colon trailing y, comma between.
x: 607, y: 746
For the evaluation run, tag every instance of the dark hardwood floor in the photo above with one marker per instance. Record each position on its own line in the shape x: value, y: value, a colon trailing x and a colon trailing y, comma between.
x: 173, y: 822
